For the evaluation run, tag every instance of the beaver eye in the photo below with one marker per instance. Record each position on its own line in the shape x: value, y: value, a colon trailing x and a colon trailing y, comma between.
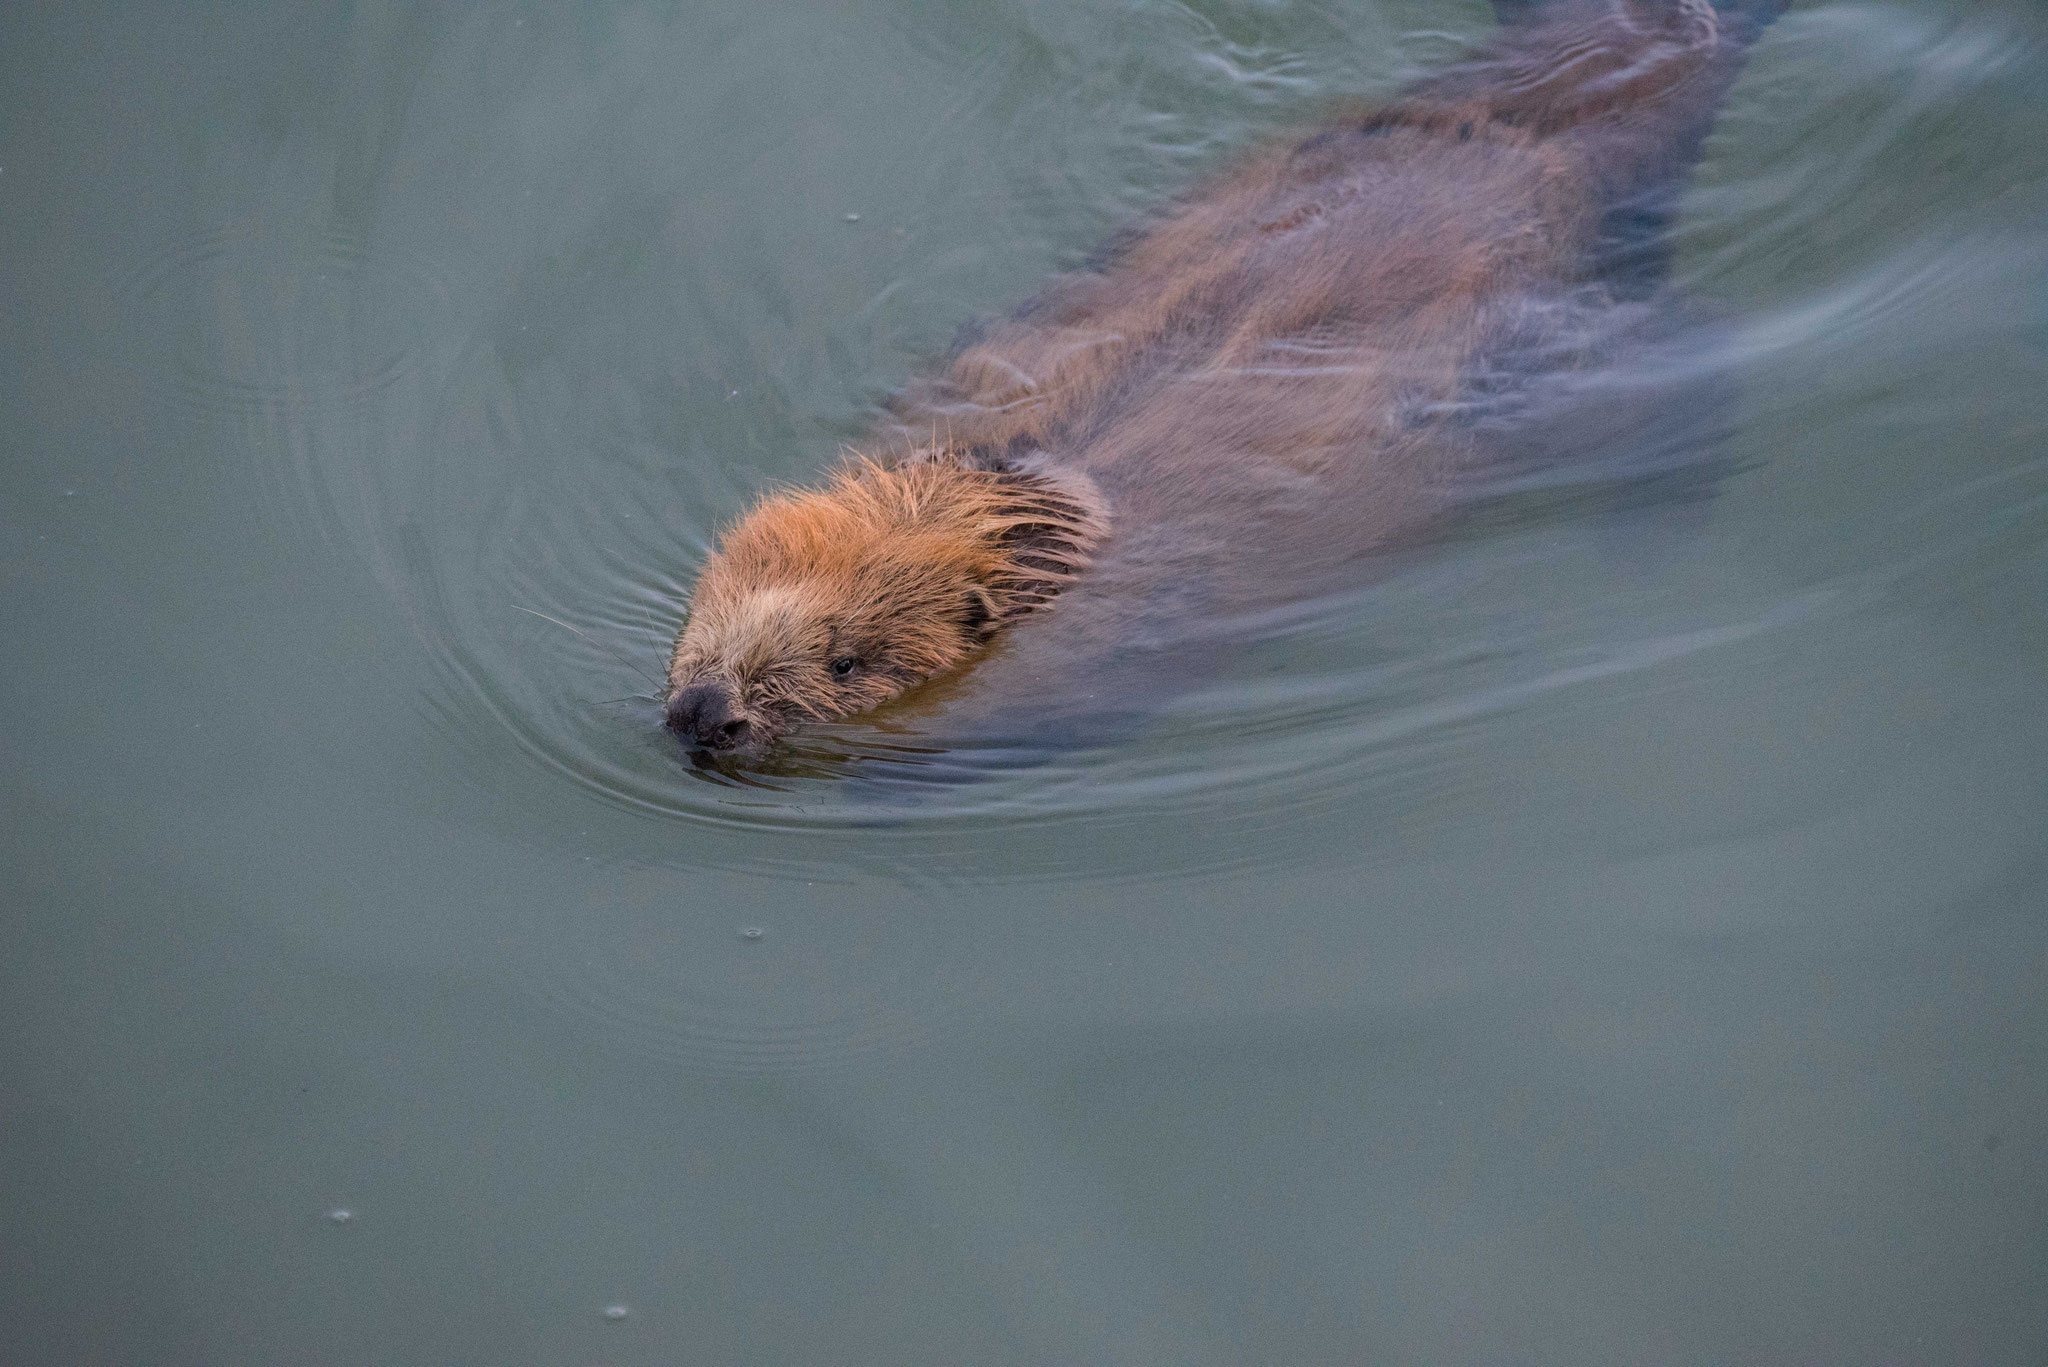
x: 843, y: 666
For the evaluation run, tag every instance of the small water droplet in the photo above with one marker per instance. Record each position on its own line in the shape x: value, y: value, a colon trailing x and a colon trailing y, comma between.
x: 851, y: 218
x: 752, y: 932
x: 341, y: 1215
x: 71, y: 493
x: 616, y: 1312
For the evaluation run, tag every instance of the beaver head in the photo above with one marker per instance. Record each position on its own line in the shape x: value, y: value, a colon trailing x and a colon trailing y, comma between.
x: 825, y: 602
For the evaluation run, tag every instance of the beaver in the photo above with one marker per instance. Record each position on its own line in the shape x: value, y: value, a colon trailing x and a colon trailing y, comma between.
x: 1242, y: 401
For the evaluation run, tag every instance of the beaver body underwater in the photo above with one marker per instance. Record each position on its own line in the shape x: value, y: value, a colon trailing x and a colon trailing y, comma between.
x: 1309, y: 363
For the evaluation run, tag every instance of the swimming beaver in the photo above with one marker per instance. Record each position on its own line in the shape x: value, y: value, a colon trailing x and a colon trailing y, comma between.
x: 1241, y: 401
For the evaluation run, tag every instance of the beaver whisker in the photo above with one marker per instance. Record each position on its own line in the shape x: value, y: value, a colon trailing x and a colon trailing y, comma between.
x: 617, y: 654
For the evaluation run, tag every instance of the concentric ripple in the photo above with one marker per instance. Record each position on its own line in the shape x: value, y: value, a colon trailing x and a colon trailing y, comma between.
x: 582, y: 290
x: 841, y: 986
x: 533, y: 455
x: 254, y: 320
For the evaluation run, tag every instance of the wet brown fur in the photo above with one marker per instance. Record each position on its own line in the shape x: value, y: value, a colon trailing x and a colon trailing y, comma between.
x: 1241, y: 399
x: 904, y: 568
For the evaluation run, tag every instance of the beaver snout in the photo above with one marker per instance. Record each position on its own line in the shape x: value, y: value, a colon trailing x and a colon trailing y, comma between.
x: 706, y: 714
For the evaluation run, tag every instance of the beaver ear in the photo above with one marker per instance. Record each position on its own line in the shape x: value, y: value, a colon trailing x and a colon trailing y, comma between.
x: 1045, y: 527
x: 978, y: 615
x: 984, y: 459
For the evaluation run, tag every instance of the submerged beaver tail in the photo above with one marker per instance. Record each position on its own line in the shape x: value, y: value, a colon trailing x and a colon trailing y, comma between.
x: 1742, y: 18
x: 1579, y: 66
x: 1620, y: 94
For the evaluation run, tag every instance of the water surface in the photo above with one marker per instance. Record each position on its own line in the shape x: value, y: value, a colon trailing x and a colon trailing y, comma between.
x: 1601, y: 939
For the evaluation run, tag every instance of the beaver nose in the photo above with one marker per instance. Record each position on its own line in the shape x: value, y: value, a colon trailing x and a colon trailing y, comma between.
x: 704, y: 713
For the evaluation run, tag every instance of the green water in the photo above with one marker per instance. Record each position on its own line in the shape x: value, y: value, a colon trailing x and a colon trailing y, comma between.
x: 1594, y: 943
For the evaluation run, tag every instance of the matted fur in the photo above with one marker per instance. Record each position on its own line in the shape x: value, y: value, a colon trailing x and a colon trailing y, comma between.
x: 904, y: 568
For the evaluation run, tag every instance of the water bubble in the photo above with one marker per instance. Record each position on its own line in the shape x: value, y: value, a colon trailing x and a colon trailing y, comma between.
x: 341, y: 1215
x: 752, y: 932
x: 616, y: 1312
x: 851, y: 218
